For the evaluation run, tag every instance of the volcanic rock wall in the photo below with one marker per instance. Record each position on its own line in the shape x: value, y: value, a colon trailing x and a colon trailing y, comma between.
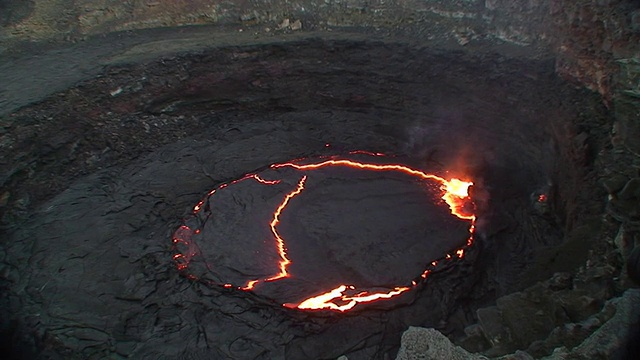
x: 521, y: 21
x: 596, y: 41
x: 597, y: 44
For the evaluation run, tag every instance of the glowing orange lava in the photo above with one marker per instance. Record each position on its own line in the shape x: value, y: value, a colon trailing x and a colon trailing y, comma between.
x: 282, y: 250
x: 455, y: 193
x: 263, y: 181
x: 331, y: 300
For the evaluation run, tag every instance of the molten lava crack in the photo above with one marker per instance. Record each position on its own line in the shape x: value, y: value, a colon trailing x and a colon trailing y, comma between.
x: 282, y: 250
x: 343, y: 297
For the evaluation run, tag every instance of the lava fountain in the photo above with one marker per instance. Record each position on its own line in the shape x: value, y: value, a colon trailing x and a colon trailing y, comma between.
x: 327, y: 233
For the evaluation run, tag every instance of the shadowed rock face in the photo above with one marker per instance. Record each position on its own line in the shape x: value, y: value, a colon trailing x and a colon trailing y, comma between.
x: 633, y: 265
x: 14, y: 11
x: 89, y: 270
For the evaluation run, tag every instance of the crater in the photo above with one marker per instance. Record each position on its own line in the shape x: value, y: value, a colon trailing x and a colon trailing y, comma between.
x: 113, y: 223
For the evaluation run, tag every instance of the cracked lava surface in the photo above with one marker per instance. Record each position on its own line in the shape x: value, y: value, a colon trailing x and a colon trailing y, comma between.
x: 327, y: 233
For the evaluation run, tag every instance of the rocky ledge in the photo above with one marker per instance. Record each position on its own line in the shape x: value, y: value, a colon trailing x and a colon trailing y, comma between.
x: 606, y: 334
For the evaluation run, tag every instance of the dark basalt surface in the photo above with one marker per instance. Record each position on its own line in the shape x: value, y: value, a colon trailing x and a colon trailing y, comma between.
x: 98, y: 179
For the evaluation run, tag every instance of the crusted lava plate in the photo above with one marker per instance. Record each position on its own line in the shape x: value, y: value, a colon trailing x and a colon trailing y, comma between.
x: 327, y: 233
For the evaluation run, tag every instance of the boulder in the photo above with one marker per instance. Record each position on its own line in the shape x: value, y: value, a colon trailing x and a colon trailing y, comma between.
x: 616, y: 339
x: 426, y: 344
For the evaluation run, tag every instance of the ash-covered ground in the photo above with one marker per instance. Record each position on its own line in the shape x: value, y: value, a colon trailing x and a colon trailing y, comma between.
x: 99, y: 176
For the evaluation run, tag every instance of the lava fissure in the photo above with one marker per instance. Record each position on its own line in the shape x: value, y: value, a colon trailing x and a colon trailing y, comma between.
x: 330, y: 300
x: 282, y: 249
x: 455, y: 193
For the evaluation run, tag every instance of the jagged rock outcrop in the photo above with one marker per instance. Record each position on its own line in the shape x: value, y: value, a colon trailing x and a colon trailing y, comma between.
x: 609, y: 334
x: 616, y: 339
x: 426, y: 344
x: 557, y: 312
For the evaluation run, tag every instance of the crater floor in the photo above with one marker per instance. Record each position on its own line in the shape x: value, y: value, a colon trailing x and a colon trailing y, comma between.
x: 108, y: 169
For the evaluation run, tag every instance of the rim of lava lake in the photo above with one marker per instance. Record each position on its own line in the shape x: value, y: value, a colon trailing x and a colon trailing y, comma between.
x: 327, y: 233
